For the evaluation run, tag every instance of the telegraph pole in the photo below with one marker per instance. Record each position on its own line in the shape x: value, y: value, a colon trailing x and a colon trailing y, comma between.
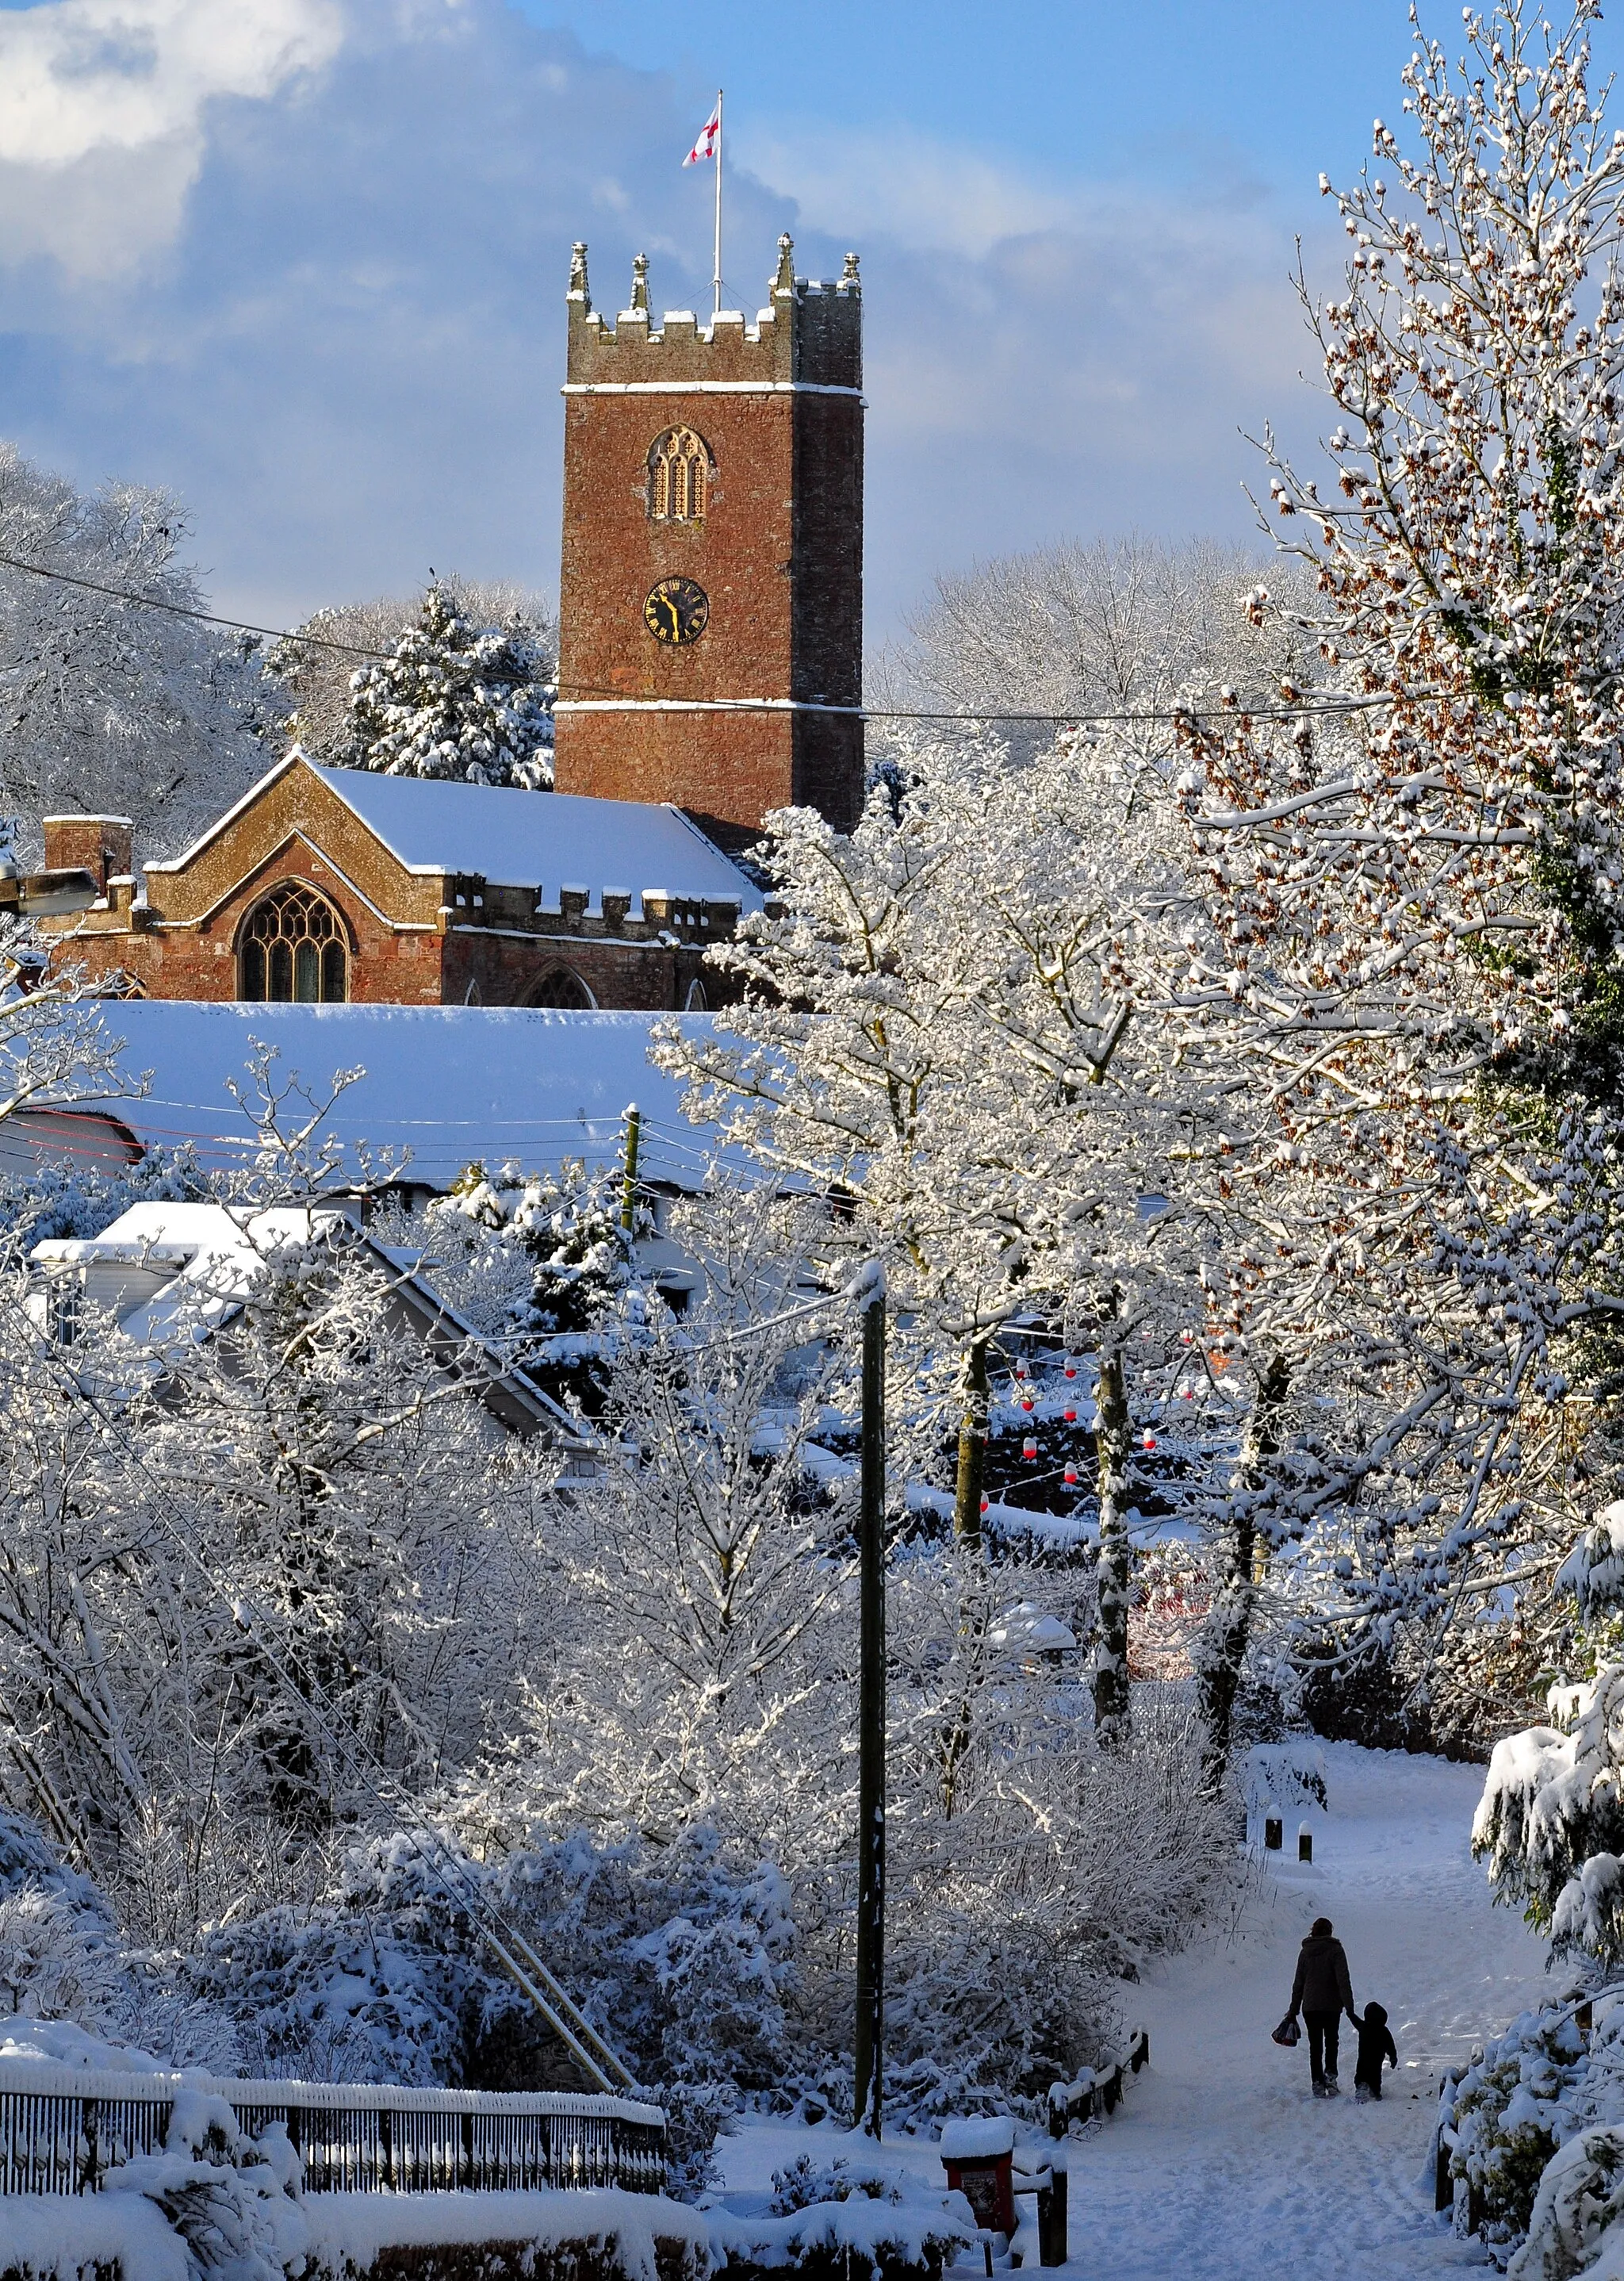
x: 871, y: 1714
x: 629, y: 1184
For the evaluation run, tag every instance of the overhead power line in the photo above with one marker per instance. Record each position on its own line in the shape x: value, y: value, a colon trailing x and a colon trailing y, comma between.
x: 1075, y: 718
x: 180, y: 610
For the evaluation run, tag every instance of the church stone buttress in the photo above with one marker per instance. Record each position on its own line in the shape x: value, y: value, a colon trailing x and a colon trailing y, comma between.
x: 711, y: 596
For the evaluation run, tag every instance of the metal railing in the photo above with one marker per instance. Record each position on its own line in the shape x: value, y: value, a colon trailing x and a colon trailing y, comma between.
x: 62, y: 2129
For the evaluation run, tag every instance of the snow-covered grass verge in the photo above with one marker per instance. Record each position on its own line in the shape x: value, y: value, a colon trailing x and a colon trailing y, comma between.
x: 88, y: 2238
x: 602, y: 2235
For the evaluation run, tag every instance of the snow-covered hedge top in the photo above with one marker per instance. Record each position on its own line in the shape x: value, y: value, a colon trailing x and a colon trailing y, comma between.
x: 20, y: 2071
x: 977, y: 2138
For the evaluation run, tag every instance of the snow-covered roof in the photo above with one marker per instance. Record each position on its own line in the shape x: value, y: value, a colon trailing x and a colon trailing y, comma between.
x: 170, y: 1273
x: 541, y: 839
x: 451, y: 1084
x: 1027, y: 1629
x: 203, y: 1260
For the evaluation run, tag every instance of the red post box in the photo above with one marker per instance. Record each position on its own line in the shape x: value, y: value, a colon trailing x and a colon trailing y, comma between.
x: 976, y: 2155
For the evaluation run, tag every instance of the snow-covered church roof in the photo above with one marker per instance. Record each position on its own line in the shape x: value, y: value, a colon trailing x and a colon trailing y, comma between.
x: 449, y: 1083
x: 541, y: 839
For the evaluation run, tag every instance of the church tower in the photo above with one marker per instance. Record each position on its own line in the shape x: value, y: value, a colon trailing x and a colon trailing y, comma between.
x: 711, y: 597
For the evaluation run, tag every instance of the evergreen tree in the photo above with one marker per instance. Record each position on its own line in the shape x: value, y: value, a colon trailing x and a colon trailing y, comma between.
x: 457, y: 699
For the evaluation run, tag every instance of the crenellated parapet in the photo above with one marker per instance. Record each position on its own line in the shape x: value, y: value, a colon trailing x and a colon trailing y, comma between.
x: 809, y: 335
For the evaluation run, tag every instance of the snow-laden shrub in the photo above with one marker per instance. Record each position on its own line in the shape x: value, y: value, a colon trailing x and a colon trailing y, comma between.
x: 52, y: 1201
x: 1581, y: 2197
x: 683, y: 1953
x: 905, y: 2234
x: 58, y: 1961
x: 806, y: 2181
x: 382, y: 1980
x: 235, y: 2202
x: 1513, y: 2108
x: 1290, y: 1773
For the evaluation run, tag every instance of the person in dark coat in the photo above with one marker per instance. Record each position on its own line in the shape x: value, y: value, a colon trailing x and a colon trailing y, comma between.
x: 1322, y: 1991
x: 1376, y: 2045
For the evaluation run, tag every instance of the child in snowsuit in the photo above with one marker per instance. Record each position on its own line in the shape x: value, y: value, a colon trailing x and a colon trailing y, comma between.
x: 1376, y: 2045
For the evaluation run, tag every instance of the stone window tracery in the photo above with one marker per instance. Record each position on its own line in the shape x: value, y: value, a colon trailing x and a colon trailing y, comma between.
x: 680, y: 469
x: 292, y: 950
x: 564, y: 989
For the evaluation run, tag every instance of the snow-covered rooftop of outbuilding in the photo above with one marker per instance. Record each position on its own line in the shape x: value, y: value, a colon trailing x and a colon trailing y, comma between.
x: 450, y: 1084
x: 540, y: 839
x: 209, y: 1259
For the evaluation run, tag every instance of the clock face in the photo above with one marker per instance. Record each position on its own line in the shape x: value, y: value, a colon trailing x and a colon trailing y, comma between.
x: 678, y: 610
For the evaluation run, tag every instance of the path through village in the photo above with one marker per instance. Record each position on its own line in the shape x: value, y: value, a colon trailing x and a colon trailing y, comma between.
x: 1220, y: 2166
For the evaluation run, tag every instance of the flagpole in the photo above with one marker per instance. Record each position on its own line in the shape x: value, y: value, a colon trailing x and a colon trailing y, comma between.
x: 716, y: 280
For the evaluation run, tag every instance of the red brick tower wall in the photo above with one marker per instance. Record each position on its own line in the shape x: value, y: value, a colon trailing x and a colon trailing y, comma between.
x: 778, y: 552
x: 105, y: 845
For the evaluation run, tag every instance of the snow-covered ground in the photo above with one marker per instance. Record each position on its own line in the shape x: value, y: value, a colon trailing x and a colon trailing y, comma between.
x: 1219, y: 2166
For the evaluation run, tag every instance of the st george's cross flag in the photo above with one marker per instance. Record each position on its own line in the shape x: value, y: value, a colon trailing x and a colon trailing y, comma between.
x: 705, y: 147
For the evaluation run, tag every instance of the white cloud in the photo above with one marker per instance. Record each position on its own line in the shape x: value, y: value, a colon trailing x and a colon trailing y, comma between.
x: 347, y: 361
x: 106, y: 101
x: 912, y: 188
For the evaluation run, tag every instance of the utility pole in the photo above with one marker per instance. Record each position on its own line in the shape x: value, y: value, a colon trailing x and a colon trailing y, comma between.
x: 628, y: 1185
x: 871, y: 1715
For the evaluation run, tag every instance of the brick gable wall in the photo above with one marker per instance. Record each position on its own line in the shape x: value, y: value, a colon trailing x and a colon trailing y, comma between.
x: 410, y: 941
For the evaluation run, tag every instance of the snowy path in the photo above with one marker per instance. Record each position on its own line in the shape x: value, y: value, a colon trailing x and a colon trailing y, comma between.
x: 1219, y: 2166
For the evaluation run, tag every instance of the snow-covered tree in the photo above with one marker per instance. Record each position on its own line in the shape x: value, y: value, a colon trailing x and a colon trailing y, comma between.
x: 316, y: 673
x: 1131, y: 627
x: 108, y: 706
x: 943, y: 1032
x: 457, y: 696
x: 1414, y: 873
x: 250, y: 1597
x: 704, y: 1559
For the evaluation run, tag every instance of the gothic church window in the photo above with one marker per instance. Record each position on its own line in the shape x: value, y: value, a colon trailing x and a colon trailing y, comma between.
x: 679, y: 471
x: 292, y: 949
x: 564, y: 989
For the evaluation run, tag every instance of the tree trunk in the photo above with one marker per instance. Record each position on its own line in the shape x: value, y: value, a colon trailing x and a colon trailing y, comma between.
x: 972, y: 1450
x: 1222, y: 1653
x: 1110, y: 1436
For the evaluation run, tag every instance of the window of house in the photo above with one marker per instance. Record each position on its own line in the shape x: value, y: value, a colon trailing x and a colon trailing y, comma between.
x: 563, y: 989
x: 680, y: 469
x: 292, y: 949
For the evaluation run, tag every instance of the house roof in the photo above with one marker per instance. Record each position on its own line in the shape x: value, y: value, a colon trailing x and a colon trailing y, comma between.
x: 450, y: 1084
x: 541, y: 839
x: 171, y: 1274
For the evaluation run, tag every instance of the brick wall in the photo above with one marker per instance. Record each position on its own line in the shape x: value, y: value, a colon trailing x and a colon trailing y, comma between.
x: 101, y: 845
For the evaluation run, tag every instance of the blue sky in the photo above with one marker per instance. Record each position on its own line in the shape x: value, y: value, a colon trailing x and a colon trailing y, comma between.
x: 303, y: 260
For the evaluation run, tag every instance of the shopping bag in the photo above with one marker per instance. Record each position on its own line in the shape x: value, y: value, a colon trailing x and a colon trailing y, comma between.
x: 1289, y: 2032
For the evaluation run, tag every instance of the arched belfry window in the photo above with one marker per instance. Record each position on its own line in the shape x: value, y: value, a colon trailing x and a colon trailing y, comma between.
x: 292, y: 949
x: 679, y: 472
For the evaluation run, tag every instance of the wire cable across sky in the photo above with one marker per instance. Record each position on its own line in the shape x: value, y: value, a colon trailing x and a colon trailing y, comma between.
x: 1076, y: 718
